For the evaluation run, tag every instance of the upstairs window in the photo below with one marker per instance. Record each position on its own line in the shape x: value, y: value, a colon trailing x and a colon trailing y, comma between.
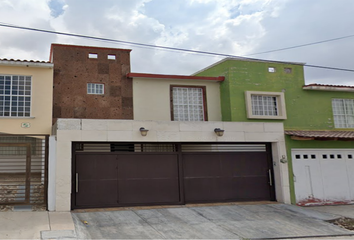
x: 95, y: 88
x: 271, y: 69
x: 93, y: 55
x: 188, y: 103
x: 15, y: 96
x: 111, y: 57
x: 265, y: 105
x: 343, y: 113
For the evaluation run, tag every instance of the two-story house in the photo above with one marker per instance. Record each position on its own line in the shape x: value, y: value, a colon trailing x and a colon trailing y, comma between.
x: 317, y: 121
x: 123, y: 139
x: 25, y: 125
x: 161, y: 140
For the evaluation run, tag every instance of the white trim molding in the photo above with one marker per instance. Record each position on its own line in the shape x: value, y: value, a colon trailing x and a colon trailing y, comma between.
x: 280, y: 101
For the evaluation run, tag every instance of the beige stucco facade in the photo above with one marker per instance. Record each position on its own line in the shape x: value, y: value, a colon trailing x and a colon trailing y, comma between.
x: 40, y: 121
x: 151, y: 98
x: 67, y: 131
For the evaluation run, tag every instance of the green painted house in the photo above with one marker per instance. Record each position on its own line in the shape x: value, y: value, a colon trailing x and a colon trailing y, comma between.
x: 318, y: 123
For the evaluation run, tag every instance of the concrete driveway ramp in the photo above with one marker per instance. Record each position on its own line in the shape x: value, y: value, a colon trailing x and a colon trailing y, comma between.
x: 273, y: 221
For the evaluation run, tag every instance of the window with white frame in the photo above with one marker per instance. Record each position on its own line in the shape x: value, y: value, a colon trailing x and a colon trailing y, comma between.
x: 265, y: 105
x: 15, y: 96
x: 343, y: 113
x: 188, y: 103
x: 95, y: 88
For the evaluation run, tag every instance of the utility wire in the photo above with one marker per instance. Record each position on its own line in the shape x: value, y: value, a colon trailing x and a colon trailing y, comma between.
x: 118, y: 41
x: 330, y: 68
x: 185, y: 50
x: 302, y: 45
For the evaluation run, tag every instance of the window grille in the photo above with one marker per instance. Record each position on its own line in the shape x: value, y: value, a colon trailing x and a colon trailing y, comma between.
x: 125, y: 147
x: 95, y: 88
x: 343, y: 113
x: 15, y: 96
x: 264, y: 105
x: 223, y: 147
x: 36, y: 144
x: 188, y: 104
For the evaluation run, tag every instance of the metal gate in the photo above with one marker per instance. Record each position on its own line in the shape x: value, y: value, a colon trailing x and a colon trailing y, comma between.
x: 125, y: 179
x: 127, y: 174
x: 223, y: 177
x: 23, y: 171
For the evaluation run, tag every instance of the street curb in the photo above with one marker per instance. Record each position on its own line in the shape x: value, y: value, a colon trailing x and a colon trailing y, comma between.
x: 58, y: 234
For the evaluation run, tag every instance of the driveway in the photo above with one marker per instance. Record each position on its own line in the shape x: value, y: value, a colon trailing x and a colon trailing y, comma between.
x: 272, y: 221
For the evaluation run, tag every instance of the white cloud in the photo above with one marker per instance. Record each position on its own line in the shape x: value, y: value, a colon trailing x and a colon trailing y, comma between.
x: 23, y: 44
x: 236, y: 27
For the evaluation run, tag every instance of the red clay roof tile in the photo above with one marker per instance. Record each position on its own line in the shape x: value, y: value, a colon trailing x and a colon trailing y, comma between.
x: 327, y: 85
x: 321, y: 134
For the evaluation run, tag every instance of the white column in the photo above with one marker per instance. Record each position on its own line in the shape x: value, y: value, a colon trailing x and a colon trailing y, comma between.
x: 51, y: 173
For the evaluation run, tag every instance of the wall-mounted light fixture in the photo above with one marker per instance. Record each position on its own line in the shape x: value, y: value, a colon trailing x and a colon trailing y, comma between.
x: 143, y: 131
x: 219, y: 132
x: 283, y: 159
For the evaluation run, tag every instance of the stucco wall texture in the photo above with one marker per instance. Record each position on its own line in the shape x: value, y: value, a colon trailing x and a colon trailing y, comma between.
x: 151, y: 106
x: 73, y: 70
x: 40, y: 121
x: 306, y: 109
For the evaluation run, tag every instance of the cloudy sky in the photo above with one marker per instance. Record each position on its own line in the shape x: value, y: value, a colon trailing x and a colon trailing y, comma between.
x: 235, y: 27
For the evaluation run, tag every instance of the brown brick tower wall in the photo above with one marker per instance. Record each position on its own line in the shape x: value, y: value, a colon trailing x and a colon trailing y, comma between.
x: 73, y: 70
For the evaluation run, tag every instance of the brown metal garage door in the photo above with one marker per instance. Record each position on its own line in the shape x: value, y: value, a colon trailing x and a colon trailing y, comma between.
x: 96, y: 180
x: 107, y: 175
x: 105, y: 180
x: 148, y: 178
x: 220, y: 177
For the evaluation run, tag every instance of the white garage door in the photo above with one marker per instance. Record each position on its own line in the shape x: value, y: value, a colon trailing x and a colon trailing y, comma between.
x: 323, y: 176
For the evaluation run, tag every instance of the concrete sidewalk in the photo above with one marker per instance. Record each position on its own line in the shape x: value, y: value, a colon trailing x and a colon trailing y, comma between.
x: 36, y: 225
x: 339, y: 210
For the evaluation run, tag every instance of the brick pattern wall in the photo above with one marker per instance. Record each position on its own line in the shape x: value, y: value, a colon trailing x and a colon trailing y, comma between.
x: 73, y: 69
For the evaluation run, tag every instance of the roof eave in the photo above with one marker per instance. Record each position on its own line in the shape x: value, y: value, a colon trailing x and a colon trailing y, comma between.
x: 26, y: 64
x: 175, y: 77
x: 321, y: 135
x: 302, y: 138
x: 326, y: 88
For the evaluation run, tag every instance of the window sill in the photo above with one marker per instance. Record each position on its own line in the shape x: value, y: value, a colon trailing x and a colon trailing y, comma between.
x: 17, y: 117
x: 267, y: 117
